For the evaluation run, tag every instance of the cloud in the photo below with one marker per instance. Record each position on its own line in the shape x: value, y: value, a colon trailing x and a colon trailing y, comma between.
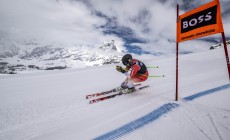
x: 52, y: 21
x: 147, y: 24
x: 151, y: 21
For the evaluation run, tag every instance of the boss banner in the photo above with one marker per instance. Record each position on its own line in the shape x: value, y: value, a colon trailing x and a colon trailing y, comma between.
x: 202, y: 21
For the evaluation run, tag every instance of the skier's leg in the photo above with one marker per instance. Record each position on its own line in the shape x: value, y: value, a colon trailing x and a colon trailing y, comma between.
x: 130, y: 83
x: 124, y: 83
x: 129, y: 86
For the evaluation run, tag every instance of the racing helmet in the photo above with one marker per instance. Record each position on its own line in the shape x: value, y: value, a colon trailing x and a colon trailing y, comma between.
x: 127, y: 59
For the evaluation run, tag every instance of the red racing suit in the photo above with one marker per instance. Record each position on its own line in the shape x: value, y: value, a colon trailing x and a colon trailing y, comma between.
x: 139, y: 72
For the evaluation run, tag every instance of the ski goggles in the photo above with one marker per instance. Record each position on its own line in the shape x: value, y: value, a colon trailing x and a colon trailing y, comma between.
x: 128, y: 63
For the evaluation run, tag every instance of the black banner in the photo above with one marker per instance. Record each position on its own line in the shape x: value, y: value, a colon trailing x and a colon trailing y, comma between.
x: 199, y: 19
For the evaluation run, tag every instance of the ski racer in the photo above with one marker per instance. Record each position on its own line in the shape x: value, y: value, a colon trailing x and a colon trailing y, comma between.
x: 139, y: 73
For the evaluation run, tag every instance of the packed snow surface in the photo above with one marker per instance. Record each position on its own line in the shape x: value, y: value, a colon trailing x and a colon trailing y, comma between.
x: 52, y: 106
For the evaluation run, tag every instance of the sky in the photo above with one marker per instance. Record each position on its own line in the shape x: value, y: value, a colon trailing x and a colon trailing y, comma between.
x: 146, y: 26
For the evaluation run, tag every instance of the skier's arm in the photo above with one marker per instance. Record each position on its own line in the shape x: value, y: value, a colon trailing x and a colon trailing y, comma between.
x: 134, y: 71
x: 127, y: 68
x: 126, y: 73
x: 120, y: 69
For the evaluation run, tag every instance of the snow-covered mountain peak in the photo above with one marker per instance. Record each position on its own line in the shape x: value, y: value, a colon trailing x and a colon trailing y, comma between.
x: 108, y: 46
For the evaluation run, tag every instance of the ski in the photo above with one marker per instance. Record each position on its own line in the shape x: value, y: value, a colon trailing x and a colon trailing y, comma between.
x: 114, y: 95
x: 100, y: 93
x: 103, y: 93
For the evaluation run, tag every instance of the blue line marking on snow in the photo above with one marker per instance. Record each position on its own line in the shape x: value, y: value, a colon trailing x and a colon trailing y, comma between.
x: 154, y: 115
x: 134, y: 125
x: 210, y: 91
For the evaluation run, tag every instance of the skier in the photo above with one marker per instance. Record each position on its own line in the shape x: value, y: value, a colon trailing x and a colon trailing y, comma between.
x: 139, y: 73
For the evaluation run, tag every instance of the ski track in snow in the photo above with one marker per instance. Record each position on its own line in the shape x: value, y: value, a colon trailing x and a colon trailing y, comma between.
x: 52, y: 105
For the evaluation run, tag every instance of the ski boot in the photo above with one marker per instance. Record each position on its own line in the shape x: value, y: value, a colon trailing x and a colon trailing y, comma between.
x: 128, y: 90
x: 122, y: 87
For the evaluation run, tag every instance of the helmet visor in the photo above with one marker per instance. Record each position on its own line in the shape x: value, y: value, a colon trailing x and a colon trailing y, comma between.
x: 128, y: 63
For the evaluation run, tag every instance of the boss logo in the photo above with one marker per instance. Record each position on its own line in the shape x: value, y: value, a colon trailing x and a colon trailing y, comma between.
x: 194, y: 21
x: 200, y: 19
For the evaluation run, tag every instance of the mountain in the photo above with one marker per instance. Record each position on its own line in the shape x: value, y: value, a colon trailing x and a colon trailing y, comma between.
x: 31, y: 55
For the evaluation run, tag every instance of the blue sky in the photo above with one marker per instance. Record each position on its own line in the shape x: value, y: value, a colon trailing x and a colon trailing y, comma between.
x: 146, y: 26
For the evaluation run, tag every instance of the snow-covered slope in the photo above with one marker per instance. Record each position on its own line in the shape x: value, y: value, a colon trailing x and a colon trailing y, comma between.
x: 51, y: 105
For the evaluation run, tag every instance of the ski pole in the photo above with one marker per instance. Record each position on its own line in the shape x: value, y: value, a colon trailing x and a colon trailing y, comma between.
x: 151, y: 76
x: 152, y: 67
x: 147, y: 67
x: 154, y: 76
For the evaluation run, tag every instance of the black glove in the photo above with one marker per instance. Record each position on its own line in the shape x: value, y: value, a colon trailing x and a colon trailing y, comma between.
x: 120, y: 69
